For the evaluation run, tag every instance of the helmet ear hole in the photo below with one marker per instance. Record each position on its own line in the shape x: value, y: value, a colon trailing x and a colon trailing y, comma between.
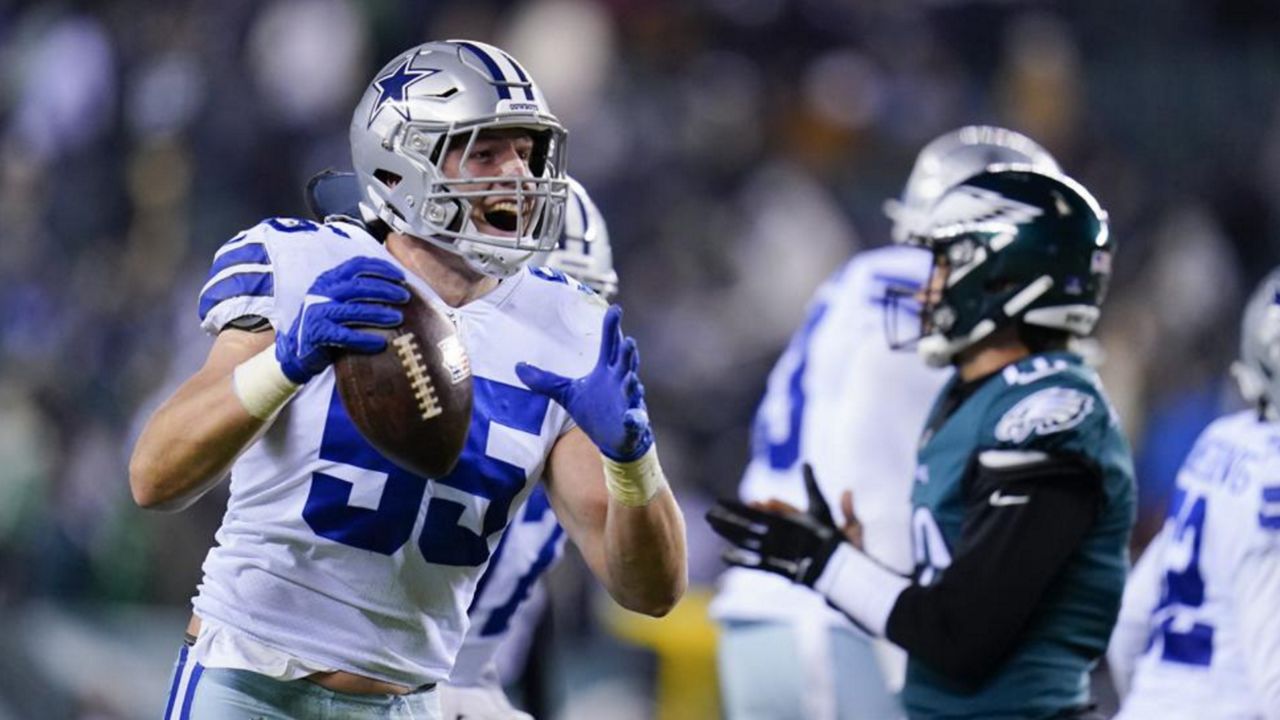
x: 386, y: 177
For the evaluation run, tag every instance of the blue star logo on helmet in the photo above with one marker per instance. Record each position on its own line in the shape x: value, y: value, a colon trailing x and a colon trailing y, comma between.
x: 393, y: 88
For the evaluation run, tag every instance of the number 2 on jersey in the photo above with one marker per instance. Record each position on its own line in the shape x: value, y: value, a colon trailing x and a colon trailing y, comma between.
x: 381, y: 519
x: 1185, y: 641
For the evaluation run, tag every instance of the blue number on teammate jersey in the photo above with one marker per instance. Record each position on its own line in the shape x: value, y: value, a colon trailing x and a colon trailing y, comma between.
x: 444, y: 539
x: 535, y: 509
x: 1184, y: 585
x: 385, y: 528
x: 782, y: 454
x: 297, y: 225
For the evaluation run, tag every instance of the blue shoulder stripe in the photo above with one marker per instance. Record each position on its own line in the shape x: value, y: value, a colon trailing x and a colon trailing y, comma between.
x: 248, y: 254
x: 249, y: 284
x: 1269, y: 515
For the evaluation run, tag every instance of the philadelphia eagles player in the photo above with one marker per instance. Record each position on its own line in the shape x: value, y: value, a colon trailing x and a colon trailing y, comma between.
x: 1199, y: 635
x: 840, y: 397
x: 1023, y: 492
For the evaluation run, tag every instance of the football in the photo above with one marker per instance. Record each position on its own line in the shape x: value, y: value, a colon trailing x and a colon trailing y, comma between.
x: 412, y: 401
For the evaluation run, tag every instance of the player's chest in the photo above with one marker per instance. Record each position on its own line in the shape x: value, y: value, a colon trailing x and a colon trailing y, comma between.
x: 943, y: 462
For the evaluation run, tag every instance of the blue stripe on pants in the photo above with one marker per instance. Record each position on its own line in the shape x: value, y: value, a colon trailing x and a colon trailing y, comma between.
x: 191, y: 691
x: 177, y: 680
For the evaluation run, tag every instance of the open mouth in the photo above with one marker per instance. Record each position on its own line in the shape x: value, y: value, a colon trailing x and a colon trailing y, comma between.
x: 503, y: 216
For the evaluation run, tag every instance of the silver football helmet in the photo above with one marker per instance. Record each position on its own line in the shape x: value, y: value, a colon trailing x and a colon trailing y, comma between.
x: 953, y: 157
x: 1258, y: 369
x: 439, y: 97
x: 583, y: 252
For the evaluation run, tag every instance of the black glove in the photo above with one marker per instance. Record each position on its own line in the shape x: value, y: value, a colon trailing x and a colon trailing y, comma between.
x: 795, y: 545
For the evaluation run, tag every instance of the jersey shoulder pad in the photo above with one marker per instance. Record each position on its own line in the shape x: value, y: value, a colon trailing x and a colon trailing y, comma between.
x: 1053, y: 410
x: 241, y: 281
x: 563, y: 324
x: 245, y: 276
x: 557, y: 277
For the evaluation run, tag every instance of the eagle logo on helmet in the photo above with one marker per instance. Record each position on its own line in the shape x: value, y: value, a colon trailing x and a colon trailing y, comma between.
x: 968, y: 208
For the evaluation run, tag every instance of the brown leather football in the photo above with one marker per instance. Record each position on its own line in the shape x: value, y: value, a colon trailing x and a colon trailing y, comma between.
x: 412, y: 401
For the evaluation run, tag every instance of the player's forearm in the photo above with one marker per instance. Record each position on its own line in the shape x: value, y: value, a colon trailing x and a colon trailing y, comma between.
x: 966, y: 624
x: 190, y: 443
x: 645, y: 555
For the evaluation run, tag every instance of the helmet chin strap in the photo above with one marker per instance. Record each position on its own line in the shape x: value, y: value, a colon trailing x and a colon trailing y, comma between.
x: 937, y: 350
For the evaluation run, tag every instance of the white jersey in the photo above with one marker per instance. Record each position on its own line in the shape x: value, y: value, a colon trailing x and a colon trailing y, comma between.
x: 1214, y: 645
x: 328, y: 552
x: 508, y: 599
x: 840, y: 399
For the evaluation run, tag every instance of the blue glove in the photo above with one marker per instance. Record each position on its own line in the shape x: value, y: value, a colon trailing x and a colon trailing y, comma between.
x: 354, y: 293
x: 608, y: 402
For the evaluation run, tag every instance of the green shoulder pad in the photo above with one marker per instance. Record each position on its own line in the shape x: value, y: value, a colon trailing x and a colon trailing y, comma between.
x: 1058, y: 410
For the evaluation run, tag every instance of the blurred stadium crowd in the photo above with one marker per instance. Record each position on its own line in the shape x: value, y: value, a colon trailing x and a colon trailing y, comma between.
x: 740, y: 150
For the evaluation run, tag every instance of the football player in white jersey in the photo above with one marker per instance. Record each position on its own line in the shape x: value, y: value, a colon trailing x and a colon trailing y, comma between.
x: 340, y: 583
x: 509, y: 599
x: 840, y: 398
x: 1199, y: 635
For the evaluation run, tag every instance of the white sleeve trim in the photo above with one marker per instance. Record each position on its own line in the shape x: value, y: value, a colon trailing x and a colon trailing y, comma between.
x: 860, y: 587
x: 1003, y: 459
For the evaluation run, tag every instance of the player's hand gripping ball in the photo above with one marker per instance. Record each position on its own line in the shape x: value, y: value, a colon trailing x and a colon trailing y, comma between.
x: 412, y: 400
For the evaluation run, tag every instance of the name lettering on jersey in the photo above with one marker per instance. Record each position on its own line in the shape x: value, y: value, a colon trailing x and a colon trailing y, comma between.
x: 1041, y: 368
x: 1046, y: 412
x: 416, y: 369
x: 1217, y: 461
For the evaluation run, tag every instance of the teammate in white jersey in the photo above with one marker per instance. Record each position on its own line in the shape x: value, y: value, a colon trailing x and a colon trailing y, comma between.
x: 509, y: 599
x: 840, y: 398
x: 340, y: 583
x: 1200, y: 634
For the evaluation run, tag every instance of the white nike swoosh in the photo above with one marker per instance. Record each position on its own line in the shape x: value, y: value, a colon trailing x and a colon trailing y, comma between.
x: 999, y: 499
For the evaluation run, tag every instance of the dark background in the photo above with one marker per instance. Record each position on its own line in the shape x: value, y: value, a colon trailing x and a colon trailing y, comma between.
x: 740, y: 150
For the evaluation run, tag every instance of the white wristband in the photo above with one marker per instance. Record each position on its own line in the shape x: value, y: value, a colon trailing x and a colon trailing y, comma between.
x: 864, y: 589
x: 635, y: 483
x: 261, y: 384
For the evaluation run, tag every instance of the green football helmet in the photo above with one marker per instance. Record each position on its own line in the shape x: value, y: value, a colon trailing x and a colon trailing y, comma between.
x: 1012, y: 245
